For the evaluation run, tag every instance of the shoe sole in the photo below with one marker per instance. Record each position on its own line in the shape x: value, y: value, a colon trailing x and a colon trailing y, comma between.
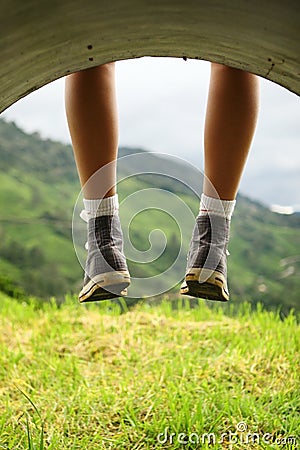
x: 105, y: 286
x: 213, y: 287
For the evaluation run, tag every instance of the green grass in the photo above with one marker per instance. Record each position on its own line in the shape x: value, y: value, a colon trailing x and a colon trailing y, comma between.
x: 86, y: 377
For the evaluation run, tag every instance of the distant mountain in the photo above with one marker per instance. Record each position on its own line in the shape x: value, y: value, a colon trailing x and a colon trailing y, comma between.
x: 39, y: 187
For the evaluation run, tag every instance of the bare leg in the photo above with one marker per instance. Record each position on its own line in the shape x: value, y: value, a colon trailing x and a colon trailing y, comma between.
x: 91, y: 109
x: 92, y: 115
x: 229, y: 127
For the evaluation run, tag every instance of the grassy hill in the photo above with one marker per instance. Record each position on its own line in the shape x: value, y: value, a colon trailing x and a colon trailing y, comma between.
x: 86, y: 377
x: 39, y: 188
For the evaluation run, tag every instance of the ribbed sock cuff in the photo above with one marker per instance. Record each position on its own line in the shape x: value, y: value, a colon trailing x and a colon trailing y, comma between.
x: 216, y: 206
x: 101, y: 206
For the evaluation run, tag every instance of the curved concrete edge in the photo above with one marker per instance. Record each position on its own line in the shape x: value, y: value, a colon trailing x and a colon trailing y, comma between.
x: 41, y: 40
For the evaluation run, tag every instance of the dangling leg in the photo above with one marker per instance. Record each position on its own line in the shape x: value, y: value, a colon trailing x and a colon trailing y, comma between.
x: 230, y: 123
x: 231, y: 117
x: 93, y: 123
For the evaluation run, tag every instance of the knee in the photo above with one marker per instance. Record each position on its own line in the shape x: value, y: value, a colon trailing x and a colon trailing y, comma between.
x: 223, y: 70
x: 107, y: 68
x: 110, y: 66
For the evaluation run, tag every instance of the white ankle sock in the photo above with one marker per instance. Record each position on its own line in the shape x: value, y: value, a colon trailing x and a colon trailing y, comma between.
x: 101, y: 206
x: 216, y: 206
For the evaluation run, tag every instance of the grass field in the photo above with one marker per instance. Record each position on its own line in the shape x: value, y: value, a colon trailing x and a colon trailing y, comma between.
x: 87, y: 377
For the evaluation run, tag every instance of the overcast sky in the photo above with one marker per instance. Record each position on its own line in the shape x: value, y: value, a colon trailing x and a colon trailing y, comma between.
x: 161, y: 107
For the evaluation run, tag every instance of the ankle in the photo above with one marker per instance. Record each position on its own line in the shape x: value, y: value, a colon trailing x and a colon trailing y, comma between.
x: 210, y: 205
x: 107, y: 206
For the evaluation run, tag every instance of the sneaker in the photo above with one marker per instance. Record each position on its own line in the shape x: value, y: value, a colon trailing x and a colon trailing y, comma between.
x: 106, y: 272
x: 206, y: 274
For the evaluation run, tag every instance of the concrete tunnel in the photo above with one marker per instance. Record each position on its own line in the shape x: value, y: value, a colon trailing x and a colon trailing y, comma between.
x: 42, y: 40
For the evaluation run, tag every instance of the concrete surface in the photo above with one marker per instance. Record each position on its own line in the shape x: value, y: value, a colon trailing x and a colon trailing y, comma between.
x: 42, y: 40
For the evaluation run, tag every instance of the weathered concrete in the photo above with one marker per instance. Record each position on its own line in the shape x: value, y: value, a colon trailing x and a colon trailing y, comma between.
x: 41, y: 40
